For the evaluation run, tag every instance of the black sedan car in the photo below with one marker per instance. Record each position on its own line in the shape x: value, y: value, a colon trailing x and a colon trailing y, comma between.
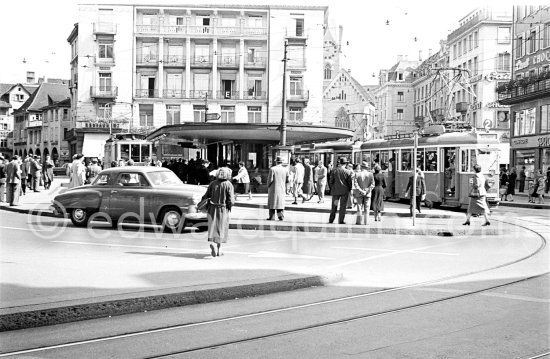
x: 133, y: 194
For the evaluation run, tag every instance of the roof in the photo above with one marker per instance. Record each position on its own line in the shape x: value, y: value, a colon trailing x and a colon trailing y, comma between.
x: 4, y: 104
x: 5, y: 88
x: 55, y: 104
x: 354, y: 83
x: 45, y: 93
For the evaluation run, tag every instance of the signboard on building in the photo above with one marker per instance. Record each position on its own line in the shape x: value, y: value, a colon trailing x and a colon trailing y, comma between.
x: 531, y: 141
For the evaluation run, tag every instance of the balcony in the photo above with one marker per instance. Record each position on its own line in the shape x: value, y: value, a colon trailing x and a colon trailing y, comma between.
x: 201, y: 30
x: 520, y: 91
x: 147, y: 60
x: 255, y: 63
x: 174, y: 61
x: 147, y: 28
x: 228, y: 95
x: 173, y: 94
x: 35, y: 123
x: 200, y: 94
x: 147, y: 93
x: 298, y: 96
x: 201, y: 61
x: 101, y: 125
x: 106, y: 92
x: 228, y: 61
x: 462, y: 107
x: 174, y: 29
x: 254, y: 95
x: 104, y: 28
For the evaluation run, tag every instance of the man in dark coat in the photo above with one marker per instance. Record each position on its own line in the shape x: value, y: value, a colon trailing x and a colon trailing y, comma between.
x: 35, y: 172
x: 340, y: 187
x: 13, y: 180
x: 276, y: 189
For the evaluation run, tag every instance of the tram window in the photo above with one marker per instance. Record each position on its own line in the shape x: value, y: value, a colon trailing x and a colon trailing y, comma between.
x: 145, y: 152
x: 406, y: 160
x: 375, y: 158
x: 431, y: 159
x: 420, y: 159
x: 125, y: 152
x: 135, y: 153
x: 468, y: 160
x: 384, y: 158
x: 367, y: 157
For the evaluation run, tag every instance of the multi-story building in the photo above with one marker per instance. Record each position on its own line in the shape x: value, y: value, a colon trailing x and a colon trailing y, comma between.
x: 12, y: 96
x: 55, y: 124
x: 528, y: 93
x: 165, y: 70
x: 481, y: 45
x: 27, y: 133
x: 394, y: 99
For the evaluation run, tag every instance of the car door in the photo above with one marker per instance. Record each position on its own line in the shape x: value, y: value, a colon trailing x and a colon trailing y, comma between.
x: 103, y: 184
x: 130, y: 198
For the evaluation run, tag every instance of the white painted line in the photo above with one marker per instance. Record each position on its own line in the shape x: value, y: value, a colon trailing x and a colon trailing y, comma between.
x: 25, y: 229
x: 516, y: 297
x: 395, y: 250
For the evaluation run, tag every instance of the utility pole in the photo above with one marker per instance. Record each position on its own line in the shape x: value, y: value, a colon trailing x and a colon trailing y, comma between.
x: 283, y: 119
x: 413, y: 192
x: 205, y: 106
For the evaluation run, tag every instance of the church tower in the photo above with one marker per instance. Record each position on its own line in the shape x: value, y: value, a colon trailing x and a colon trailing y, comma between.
x: 331, y: 55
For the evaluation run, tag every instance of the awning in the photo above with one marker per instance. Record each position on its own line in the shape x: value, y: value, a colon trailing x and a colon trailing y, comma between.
x: 265, y: 133
x: 93, y: 144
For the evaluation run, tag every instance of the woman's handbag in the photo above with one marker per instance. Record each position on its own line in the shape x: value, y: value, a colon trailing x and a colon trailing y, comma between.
x: 474, y: 191
x: 203, y: 205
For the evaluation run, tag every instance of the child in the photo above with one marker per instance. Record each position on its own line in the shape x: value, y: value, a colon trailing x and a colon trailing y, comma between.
x: 532, y: 191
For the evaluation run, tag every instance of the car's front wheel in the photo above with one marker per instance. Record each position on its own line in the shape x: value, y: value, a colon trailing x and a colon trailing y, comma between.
x: 80, y: 217
x: 172, y: 219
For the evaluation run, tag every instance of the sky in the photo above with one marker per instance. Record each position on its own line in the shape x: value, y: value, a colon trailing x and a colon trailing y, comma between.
x: 35, y: 31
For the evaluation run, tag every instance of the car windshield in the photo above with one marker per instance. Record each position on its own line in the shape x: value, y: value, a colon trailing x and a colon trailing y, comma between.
x: 164, y: 178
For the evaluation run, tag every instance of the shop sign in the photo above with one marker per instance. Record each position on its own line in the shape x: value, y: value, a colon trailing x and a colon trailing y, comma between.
x: 522, y: 64
x: 476, y: 105
x: 531, y: 142
x: 498, y: 76
x: 541, y: 57
x: 495, y: 104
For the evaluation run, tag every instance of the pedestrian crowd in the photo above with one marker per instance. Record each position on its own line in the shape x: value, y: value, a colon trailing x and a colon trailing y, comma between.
x: 537, y: 184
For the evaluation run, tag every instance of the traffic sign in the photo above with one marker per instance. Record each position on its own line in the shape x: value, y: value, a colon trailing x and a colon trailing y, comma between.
x: 213, y: 116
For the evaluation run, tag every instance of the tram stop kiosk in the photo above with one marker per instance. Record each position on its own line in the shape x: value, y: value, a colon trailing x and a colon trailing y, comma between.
x: 285, y: 152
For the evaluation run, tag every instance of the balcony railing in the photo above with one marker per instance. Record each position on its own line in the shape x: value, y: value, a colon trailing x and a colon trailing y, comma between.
x: 158, y: 29
x: 523, y: 92
x: 199, y: 94
x: 254, y: 95
x: 36, y: 123
x: 103, y: 92
x: 256, y: 62
x: 173, y: 93
x: 104, y: 28
x: 228, y: 61
x: 147, y: 93
x: 152, y: 59
x: 302, y: 95
x: 201, y: 61
x: 228, y: 95
x: 100, y: 124
x: 174, y: 60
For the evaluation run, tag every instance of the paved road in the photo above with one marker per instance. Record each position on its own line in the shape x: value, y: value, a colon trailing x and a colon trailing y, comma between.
x: 507, y: 321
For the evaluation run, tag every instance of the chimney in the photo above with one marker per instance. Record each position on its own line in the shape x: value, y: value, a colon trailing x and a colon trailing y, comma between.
x: 30, y: 77
x: 429, y: 52
x: 419, y: 55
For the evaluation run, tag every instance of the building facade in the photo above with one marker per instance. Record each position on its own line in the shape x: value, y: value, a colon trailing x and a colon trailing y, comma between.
x: 528, y: 93
x: 138, y: 68
x: 481, y: 45
x: 55, y: 124
x: 12, y: 97
x: 394, y: 98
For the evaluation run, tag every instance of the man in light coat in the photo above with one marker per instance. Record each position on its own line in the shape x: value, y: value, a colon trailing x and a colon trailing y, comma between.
x: 13, y: 180
x: 276, y: 189
x: 299, y: 172
x: 78, y: 172
x: 320, y: 179
x: 362, y: 189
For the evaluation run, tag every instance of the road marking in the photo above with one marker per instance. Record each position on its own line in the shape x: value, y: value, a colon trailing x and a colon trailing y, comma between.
x: 496, y: 295
x: 387, y: 255
x: 395, y: 250
x: 265, y: 254
x: 25, y: 229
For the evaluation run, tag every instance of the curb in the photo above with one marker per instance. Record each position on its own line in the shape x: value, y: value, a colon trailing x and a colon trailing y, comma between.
x: 524, y: 205
x: 93, y: 308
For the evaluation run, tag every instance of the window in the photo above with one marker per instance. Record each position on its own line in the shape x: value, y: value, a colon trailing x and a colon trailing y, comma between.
x: 254, y: 114
x: 454, y: 52
x: 464, y: 46
x: 400, y: 114
x: 228, y: 114
x: 295, y: 86
x: 431, y: 159
x: 198, y: 113
x: 524, y: 122
x: 132, y: 179
x: 105, y: 82
x: 546, y: 36
x: 519, y: 46
x: 299, y: 27
x: 470, y: 42
x: 475, y: 69
x: 460, y: 48
x: 104, y: 111
x: 328, y: 72
x: 545, y: 119
x: 476, y: 39
x: 174, y: 85
x: 468, y: 160
x: 252, y: 57
x: 295, y: 114
x: 202, y: 53
x: 255, y: 21
x: 101, y: 180
x: 172, y: 114
x: 400, y: 76
x: 201, y: 84
x: 254, y: 86
x: 533, y: 42
x: 105, y: 50
x: 146, y: 115
x: 503, y: 62
x: 400, y: 96
x: 406, y: 160
x: 503, y: 35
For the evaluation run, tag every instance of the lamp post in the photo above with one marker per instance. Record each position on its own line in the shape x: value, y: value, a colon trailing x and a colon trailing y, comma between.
x: 283, y: 110
x: 413, y: 195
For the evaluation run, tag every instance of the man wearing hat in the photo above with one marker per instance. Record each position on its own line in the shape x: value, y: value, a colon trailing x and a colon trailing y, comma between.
x: 13, y: 180
x: 320, y: 179
x: 276, y: 189
x: 362, y: 188
x: 2, y: 180
x: 36, y: 169
x: 340, y: 187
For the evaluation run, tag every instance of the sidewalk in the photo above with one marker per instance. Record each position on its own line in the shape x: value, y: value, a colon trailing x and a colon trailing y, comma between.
x: 46, y: 287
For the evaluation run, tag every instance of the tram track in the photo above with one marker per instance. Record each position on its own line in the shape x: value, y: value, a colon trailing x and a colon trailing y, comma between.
x: 318, y: 303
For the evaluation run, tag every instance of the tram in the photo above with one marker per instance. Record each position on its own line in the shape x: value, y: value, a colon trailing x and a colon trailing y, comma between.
x: 125, y: 146
x: 328, y: 152
x: 447, y: 160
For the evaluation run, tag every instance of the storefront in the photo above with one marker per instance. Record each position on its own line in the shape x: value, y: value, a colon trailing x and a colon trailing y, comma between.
x: 531, y: 152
